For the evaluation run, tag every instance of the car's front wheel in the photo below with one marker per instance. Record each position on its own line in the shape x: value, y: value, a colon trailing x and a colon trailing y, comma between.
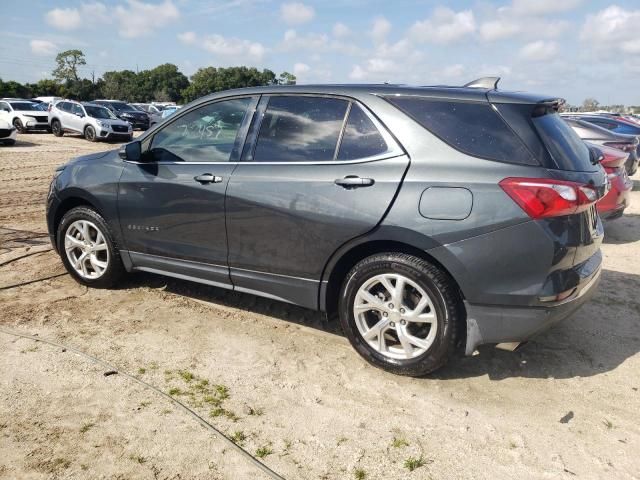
x: 90, y: 133
x: 86, y: 246
x: 401, y: 313
x: 19, y: 126
x: 56, y: 128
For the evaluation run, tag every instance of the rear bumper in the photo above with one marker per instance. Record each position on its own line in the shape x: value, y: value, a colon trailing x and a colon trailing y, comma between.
x: 502, y: 324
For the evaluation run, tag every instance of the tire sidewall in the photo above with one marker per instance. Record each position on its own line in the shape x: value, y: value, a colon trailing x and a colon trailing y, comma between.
x: 439, y: 350
x: 113, y: 270
x: 19, y: 126
x: 56, y: 131
x: 90, y: 133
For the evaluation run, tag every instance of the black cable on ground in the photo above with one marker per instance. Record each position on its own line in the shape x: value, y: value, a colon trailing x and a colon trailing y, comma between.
x: 24, y: 256
x: 111, y: 369
x: 28, y: 282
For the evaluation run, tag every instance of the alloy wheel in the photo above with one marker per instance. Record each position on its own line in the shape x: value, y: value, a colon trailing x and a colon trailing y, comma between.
x: 395, y: 316
x: 86, y: 249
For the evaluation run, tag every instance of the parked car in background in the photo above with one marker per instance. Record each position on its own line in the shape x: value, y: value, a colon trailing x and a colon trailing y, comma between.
x: 592, y: 133
x: 24, y: 115
x: 154, y: 113
x: 126, y: 112
x: 170, y: 110
x: 8, y: 133
x: 364, y: 201
x: 48, y: 100
x: 613, y: 204
x: 93, y: 121
x: 609, y: 122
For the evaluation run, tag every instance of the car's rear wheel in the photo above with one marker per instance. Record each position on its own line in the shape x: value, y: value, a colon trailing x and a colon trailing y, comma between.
x: 19, y: 126
x: 401, y: 313
x: 90, y: 133
x: 56, y: 128
x: 86, y: 246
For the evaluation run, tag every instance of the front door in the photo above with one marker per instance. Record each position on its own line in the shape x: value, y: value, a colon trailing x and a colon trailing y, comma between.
x: 172, y: 208
x: 319, y: 172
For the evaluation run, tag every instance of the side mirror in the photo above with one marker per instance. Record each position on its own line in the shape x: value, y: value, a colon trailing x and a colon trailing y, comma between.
x: 131, y: 151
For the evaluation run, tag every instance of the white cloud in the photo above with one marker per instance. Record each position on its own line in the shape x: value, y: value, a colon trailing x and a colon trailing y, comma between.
x: 357, y: 73
x: 43, y: 47
x: 340, y: 30
x: 613, y: 28
x: 296, y: 13
x: 380, y: 29
x: 135, y: 18
x: 219, y: 45
x: 188, y: 38
x: 308, y: 41
x: 64, y: 18
x: 444, y: 26
x: 453, y: 71
x: 539, y: 51
x: 141, y: 18
x: 301, y: 69
x: 543, y: 7
x: 498, y: 30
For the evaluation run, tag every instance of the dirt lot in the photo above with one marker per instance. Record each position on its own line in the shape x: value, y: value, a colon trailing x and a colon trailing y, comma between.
x: 285, y: 384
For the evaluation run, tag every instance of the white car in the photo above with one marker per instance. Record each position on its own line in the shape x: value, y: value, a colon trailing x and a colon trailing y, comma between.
x: 93, y: 121
x: 8, y: 133
x: 23, y: 114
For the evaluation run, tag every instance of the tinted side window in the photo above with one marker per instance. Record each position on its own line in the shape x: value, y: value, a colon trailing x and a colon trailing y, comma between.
x: 361, y: 138
x: 300, y: 129
x: 207, y: 134
x: 4, y: 107
x: 76, y: 109
x: 473, y: 128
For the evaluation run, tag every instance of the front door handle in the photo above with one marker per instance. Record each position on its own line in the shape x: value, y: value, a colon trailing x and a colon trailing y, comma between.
x: 208, y: 178
x: 353, y: 181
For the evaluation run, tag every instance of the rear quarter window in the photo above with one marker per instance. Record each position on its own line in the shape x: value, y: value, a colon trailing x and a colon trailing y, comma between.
x: 473, y: 128
x: 567, y: 149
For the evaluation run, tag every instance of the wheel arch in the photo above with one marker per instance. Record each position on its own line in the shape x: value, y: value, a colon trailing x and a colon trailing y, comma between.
x: 393, y: 239
x: 67, y: 204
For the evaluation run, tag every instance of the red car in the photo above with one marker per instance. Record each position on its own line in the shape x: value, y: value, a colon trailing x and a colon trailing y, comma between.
x: 612, y: 205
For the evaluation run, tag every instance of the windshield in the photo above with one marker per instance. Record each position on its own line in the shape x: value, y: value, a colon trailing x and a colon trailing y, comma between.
x: 121, y: 106
x: 25, y: 106
x: 99, y: 112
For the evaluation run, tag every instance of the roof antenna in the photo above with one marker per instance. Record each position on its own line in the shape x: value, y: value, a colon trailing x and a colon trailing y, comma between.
x: 484, y: 82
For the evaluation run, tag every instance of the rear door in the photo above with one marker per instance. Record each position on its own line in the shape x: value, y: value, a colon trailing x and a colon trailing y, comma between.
x: 316, y: 172
x: 171, y: 206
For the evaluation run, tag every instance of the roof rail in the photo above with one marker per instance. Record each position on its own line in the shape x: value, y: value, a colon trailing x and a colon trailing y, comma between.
x: 484, y: 82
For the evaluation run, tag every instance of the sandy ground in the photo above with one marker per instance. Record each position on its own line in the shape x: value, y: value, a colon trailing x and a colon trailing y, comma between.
x: 285, y: 384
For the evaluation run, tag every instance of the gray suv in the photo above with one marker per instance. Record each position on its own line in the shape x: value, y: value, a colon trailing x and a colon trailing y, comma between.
x: 429, y: 219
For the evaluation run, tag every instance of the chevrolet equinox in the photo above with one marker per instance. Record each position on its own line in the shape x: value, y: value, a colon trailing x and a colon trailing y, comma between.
x: 429, y: 219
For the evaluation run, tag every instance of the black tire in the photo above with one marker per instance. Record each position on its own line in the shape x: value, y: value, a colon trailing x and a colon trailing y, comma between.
x: 115, y: 269
x: 19, y: 126
x: 441, y: 290
x: 90, y: 133
x: 56, y: 128
x: 10, y: 142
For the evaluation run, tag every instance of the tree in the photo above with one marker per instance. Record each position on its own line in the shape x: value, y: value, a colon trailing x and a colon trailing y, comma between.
x: 67, y: 65
x: 122, y: 85
x: 287, y: 78
x: 211, y: 79
x: 590, y: 104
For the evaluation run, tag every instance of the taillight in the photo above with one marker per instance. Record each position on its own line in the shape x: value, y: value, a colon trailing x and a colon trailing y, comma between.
x: 542, y: 198
x: 625, y: 147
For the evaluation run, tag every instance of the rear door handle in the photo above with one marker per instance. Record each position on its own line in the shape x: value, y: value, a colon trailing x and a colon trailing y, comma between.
x: 353, y: 181
x: 208, y: 178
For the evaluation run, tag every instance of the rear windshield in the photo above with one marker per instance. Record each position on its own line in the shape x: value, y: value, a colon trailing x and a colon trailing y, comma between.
x: 566, y: 148
x: 474, y: 128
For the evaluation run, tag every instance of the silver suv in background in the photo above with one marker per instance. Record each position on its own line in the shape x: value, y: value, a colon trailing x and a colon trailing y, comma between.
x: 92, y: 121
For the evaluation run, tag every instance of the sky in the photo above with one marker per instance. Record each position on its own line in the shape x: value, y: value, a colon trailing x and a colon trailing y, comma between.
x: 572, y: 49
